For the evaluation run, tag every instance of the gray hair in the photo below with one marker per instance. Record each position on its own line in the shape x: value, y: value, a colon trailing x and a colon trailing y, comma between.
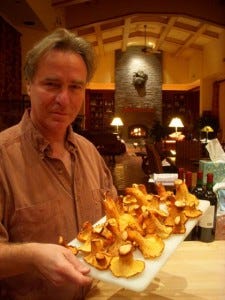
x: 63, y: 40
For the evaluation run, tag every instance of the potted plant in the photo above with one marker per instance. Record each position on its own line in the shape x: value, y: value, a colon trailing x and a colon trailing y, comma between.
x: 157, y: 131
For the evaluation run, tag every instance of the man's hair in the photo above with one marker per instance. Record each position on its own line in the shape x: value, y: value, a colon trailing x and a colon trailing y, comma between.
x: 63, y: 40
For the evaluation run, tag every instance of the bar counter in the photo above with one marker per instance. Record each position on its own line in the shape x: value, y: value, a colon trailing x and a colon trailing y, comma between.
x: 195, y: 271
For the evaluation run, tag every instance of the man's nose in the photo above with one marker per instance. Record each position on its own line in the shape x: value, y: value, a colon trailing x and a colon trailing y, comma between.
x: 63, y: 96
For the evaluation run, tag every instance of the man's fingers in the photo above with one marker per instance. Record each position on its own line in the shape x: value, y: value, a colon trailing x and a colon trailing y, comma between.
x: 77, y: 270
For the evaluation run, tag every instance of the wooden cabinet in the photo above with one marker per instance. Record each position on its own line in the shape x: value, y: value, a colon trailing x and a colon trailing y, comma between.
x: 99, y: 109
x: 183, y: 104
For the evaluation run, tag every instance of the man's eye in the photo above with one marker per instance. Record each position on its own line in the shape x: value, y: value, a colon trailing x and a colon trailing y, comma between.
x: 75, y: 86
x: 52, y: 84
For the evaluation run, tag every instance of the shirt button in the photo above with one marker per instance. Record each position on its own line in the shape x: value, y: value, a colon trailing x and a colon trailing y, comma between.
x: 60, y: 170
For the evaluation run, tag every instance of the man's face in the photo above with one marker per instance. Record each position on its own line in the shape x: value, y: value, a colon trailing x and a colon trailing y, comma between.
x: 57, y: 91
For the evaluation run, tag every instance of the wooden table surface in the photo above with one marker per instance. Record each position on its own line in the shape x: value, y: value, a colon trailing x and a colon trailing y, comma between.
x: 195, y: 271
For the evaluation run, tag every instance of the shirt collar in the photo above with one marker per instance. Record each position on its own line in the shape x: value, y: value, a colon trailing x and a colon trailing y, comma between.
x: 40, y: 143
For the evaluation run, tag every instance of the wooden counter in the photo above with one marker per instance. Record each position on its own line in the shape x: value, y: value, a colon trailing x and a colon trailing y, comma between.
x: 196, y: 271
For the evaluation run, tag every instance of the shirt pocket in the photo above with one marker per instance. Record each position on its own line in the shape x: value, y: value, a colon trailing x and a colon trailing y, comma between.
x: 37, y: 223
x: 91, y: 209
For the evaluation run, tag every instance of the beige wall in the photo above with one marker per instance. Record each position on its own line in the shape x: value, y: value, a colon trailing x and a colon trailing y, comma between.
x: 105, y: 69
x: 213, y: 56
x: 213, y: 69
x: 175, y: 72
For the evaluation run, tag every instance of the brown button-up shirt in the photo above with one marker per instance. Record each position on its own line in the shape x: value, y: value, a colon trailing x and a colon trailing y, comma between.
x: 40, y: 201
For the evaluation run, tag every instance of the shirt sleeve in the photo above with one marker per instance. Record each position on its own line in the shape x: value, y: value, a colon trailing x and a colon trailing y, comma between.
x: 3, y: 232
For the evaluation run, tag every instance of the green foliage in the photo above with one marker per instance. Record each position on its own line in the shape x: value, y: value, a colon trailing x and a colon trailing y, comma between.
x: 158, y: 131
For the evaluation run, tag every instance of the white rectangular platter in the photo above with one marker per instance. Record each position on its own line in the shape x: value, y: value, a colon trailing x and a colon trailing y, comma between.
x: 141, y: 281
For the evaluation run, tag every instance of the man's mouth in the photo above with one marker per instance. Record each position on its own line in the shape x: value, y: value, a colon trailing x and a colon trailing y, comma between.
x: 59, y: 113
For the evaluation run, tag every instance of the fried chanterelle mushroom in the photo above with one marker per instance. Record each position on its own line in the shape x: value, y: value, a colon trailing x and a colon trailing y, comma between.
x: 73, y: 249
x: 125, y: 265
x: 136, y: 220
x: 98, y: 257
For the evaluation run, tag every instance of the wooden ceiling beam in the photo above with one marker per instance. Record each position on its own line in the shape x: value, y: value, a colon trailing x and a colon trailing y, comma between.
x: 146, y: 18
x: 190, y: 28
x: 191, y: 39
x: 99, y: 39
x: 126, y: 31
x: 166, y: 30
x: 122, y: 30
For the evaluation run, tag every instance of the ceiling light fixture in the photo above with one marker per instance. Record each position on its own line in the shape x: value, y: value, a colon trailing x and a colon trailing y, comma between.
x: 148, y: 48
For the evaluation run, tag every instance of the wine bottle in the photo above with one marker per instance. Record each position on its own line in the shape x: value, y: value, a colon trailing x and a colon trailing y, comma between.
x: 207, y: 224
x: 198, y: 190
x: 188, y: 182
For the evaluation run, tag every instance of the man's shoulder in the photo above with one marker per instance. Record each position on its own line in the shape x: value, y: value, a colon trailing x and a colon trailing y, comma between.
x: 80, y: 140
x: 9, y: 135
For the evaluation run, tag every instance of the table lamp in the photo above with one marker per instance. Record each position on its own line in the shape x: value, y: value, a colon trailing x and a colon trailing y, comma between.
x: 117, y: 122
x: 176, y: 122
x: 207, y: 129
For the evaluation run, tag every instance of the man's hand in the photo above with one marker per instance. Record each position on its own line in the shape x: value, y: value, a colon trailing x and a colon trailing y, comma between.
x: 55, y: 263
x: 58, y: 265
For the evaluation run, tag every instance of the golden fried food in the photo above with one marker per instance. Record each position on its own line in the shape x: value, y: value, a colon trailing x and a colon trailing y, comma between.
x: 163, y: 194
x: 161, y: 229
x: 100, y: 261
x: 192, y: 213
x: 85, y: 232
x: 97, y: 257
x: 137, y: 192
x: 151, y: 246
x: 111, y: 209
x: 73, y: 249
x: 128, y: 221
x: 85, y: 247
x: 124, y: 265
x: 136, y: 220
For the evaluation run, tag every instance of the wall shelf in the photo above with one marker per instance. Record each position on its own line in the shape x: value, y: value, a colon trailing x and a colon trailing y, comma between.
x: 99, y: 109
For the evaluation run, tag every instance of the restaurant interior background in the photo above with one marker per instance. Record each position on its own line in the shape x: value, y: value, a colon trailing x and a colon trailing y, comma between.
x: 184, y: 62
x: 185, y: 76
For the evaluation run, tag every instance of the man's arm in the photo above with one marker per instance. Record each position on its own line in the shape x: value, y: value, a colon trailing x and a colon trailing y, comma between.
x: 55, y: 263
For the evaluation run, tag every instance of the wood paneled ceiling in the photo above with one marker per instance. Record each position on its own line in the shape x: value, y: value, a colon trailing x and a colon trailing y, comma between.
x: 176, y: 35
x: 111, y: 25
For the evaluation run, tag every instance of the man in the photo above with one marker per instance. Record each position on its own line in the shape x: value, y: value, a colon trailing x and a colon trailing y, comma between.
x: 51, y: 179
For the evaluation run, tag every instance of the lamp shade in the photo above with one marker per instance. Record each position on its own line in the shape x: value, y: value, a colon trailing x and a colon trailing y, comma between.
x: 207, y: 129
x: 176, y: 122
x: 117, y: 122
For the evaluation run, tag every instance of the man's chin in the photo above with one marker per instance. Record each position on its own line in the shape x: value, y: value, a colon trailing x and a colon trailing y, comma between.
x: 58, y: 125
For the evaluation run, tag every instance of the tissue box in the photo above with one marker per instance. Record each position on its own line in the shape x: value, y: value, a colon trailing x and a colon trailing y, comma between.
x: 218, y: 169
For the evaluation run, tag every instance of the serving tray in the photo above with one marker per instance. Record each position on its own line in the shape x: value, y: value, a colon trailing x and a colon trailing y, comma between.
x: 141, y: 281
